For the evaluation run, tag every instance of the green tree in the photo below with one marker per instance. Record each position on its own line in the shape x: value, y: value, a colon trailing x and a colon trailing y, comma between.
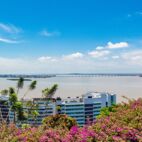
x: 16, y: 107
x: 4, y: 92
x: 32, y: 110
x: 106, y: 111
x: 20, y: 84
x: 59, y: 121
x: 11, y: 90
x: 13, y: 99
x: 35, y: 114
x: 19, y: 110
x: 32, y: 86
x: 49, y: 92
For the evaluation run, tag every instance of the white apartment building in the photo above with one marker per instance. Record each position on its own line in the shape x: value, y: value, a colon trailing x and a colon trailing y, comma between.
x: 83, y: 109
x: 87, y: 107
x: 5, y: 113
x: 45, y: 107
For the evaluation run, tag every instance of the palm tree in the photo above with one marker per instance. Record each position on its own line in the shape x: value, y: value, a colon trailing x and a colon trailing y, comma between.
x: 49, y: 92
x: 20, y: 84
x: 32, y: 86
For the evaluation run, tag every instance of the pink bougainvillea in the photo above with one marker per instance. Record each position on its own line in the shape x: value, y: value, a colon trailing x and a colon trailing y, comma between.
x: 123, y: 125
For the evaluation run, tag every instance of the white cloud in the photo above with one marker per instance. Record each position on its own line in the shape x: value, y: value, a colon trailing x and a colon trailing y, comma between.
x: 134, y: 57
x: 73, y: 56
x: 5, y: 40
x: 9, y: 28
x: 49, y: 34
x: 100, y: 48
x: 111, y: 45
x: 97, y: 54
x: 115, y: 57
x: 76, y: 62
x: 14, y: 65
x: 46, y: 59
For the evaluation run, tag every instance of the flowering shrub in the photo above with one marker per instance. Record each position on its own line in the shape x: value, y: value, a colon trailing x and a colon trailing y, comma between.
x: 75, y: 134
x: 125, y: 124
x: 122, y: 125
x: 7, y: 133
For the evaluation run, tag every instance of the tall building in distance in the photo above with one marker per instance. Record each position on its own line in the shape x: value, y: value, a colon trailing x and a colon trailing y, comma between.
x: 45, y: 107
x: 4, y: 109
x: 83, y: 109
x: 87, y: 107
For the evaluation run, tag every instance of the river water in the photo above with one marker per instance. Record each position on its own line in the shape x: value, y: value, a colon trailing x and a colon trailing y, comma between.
x: 129, y: 86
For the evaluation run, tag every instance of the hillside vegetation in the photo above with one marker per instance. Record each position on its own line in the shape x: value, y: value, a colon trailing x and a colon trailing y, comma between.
x: 122, y: 123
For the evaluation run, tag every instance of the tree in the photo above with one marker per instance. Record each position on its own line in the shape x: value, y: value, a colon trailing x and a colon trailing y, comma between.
x: 19, y: 110
x: 106, y: 111
x: 32, y: 86
x: 20, y: 84
x: 32, y: 110
x: 35, y: 114
x: 4, y: 92
x: 49, y: 92
x: 13, y: 99
x: 16, y: 107
x: 59, y: 121
x: 11, y: 90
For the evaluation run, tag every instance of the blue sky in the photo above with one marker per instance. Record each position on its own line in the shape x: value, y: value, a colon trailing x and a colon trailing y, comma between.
x: 64, y: 36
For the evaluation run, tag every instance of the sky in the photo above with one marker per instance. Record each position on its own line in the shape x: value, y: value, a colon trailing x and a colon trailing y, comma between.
x: 70, y: 36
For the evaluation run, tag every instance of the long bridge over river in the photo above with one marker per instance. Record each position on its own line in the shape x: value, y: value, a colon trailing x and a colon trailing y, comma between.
x: 98, y: 75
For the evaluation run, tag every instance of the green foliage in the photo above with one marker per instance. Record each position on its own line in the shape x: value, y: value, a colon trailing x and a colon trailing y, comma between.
x: 33, y: 85
x: 20, y: 82
x: 4, y: 92
x: 35, y: 114
x: 11, y: 90
x: 16, y: 107
x: 13, y: 98
x: 122, y: 125
x: 19, y: 110
x: 59, y: 121
x: 106, y: 111
x: 58, y: 108
x: 49, y: 92
x: 25, y: 126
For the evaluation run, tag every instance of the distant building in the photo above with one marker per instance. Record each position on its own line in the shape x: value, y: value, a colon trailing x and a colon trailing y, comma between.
x: 83, y: 109
x: 45, y: 107
x: 4, y: 109
x: 87, y: 107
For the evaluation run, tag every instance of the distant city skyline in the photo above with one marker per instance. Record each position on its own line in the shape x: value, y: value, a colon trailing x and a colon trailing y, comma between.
x: 75, y: 36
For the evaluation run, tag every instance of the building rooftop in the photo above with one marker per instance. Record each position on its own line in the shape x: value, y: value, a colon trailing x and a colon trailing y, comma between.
x: 93, y: 95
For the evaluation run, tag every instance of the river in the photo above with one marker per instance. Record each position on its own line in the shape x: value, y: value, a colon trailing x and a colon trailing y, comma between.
x: 129, y: 86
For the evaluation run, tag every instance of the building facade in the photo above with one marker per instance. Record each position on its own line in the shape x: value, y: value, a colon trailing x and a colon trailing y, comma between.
x: 86, y: 108
x: 4, y: 109
x: 43, y: 106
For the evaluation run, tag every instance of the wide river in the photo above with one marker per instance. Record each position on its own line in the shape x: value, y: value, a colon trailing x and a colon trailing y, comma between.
x: 130, y: 86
